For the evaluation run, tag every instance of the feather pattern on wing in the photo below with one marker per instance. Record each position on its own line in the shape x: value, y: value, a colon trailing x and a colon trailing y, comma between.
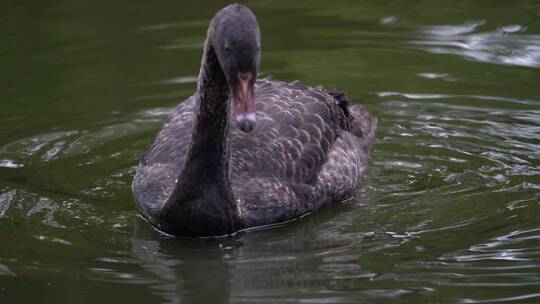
x: 306, y: 151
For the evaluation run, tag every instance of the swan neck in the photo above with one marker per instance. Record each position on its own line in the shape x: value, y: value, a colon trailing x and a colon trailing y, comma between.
x: 203, y: 189
x: 208, y: 153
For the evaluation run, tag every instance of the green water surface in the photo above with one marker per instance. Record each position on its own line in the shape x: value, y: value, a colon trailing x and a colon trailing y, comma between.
x: 449, y: 213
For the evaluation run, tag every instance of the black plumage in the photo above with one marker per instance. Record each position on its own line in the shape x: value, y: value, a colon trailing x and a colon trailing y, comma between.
x: 202, y: 175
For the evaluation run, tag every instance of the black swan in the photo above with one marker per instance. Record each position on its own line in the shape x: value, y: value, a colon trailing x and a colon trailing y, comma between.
x: 243, y: 152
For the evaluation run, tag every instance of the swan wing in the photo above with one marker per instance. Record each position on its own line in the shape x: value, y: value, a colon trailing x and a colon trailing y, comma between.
x: 309, y: 148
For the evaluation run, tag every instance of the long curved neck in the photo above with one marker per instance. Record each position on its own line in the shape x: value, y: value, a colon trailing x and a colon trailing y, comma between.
x: 202, y: 202
x: 208, y: 154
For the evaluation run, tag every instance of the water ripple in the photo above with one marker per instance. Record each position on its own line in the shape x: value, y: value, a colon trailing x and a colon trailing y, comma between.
x: 504, y: 299
x: 505, y: 45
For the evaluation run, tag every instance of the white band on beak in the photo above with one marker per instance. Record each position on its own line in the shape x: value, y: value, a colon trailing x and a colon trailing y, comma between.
x: 249, y: 116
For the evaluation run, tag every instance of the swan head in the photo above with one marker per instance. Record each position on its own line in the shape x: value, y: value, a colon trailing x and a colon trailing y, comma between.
x: 236, y: 39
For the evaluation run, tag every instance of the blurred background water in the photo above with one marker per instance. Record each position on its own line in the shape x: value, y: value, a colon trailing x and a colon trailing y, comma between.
x: 450, y: 211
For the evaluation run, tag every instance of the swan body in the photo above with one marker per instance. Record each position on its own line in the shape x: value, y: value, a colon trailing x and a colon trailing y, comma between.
x: 242, y: 152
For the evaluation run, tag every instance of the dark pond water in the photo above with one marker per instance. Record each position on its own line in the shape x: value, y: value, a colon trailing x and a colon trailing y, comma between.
x: 450, y: 211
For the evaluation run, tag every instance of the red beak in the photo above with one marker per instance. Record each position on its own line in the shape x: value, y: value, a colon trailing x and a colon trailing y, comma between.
x: 243, y: 102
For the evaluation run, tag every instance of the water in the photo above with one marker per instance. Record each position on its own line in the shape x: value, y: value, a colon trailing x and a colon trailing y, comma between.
x: 450, y: 211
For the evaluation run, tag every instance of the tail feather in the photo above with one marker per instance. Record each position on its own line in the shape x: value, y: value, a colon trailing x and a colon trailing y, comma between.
x: 363, y: 124
x: 342, y: 99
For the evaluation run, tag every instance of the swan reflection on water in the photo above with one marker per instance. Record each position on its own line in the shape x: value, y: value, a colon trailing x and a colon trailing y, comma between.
x: 252, y: 266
